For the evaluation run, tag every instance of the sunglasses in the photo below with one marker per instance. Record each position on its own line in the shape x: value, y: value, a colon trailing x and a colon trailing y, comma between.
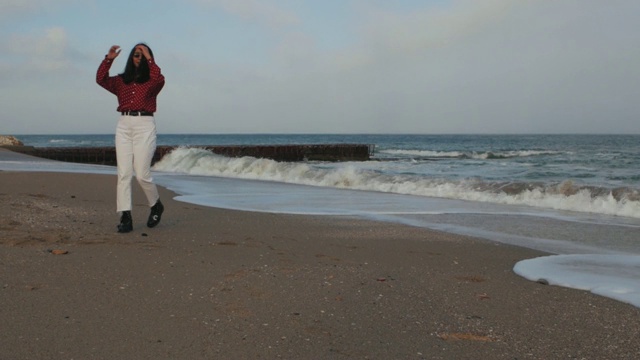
x: 137, y: 55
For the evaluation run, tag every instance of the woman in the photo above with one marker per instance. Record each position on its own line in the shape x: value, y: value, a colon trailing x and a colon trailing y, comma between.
x: 136, y: 88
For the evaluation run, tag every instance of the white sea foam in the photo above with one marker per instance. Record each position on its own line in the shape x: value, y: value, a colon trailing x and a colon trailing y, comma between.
x: 424, y: 153
x: 471, y: 155
x: 196, y: 161
x: 613, y: 276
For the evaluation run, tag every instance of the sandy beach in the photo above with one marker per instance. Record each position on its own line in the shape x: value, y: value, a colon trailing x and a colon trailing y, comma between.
x: 218, y: 284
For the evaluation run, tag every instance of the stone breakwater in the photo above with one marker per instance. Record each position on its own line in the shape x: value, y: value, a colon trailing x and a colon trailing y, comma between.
x: 293, y: 153
x: 8, y: 140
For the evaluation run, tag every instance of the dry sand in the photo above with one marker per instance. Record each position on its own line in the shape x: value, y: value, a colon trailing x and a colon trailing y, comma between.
x: 219, y: 284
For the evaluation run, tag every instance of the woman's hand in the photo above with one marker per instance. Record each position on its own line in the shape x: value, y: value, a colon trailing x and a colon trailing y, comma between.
x: 113, y: 53
x: 145, y: 51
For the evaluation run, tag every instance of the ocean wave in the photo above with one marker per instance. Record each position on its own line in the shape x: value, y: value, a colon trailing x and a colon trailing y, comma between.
x: 481, y: 155
x: 74, y: 143
x: 565, y: 195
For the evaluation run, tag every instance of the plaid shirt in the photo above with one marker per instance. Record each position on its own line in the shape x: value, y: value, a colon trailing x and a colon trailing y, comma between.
x: 132, y: 96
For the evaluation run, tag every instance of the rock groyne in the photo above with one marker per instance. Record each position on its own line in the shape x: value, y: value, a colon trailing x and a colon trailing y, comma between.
x: 293, y: 153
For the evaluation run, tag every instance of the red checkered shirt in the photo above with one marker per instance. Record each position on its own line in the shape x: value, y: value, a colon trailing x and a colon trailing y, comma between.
x: 132, y: 96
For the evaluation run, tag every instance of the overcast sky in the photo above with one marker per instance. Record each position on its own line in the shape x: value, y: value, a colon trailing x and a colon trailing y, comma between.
x: 330, y: 66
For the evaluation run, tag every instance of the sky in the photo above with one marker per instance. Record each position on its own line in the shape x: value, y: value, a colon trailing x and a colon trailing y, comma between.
x: 331, y: 66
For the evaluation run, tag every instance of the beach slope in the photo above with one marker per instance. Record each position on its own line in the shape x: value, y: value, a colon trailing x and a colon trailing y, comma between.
x: 211, y: 283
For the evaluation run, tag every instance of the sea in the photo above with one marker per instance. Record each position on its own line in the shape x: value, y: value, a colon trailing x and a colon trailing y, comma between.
x: 576, y: 197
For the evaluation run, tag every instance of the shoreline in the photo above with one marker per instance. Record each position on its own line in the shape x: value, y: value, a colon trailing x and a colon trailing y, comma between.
x: 221, y: 283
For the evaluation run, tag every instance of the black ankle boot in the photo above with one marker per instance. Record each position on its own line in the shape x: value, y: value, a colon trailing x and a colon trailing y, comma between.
x: 126, y: 222
x: 155, y: 215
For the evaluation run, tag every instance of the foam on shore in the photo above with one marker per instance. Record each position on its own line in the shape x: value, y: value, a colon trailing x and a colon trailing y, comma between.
x: 613, y: 276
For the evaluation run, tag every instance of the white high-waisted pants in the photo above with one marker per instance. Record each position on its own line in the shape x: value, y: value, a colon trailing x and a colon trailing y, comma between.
x: 135, y: 147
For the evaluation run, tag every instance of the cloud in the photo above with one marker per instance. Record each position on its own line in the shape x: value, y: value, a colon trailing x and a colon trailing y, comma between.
x: 490, y: 66
x: 464, y: 66
x: 495, y: 66
x: 44, y: 51
x: 12, y: 9
x: 430, y: 26
x: 9, y: 8
x: 267, y: 12
x: 51, y: 42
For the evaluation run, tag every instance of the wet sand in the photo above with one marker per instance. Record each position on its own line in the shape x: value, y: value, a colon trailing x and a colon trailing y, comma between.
x: 219, y: 284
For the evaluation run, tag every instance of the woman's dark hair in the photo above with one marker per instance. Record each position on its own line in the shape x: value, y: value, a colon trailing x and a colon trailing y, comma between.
x: 139, y: 74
